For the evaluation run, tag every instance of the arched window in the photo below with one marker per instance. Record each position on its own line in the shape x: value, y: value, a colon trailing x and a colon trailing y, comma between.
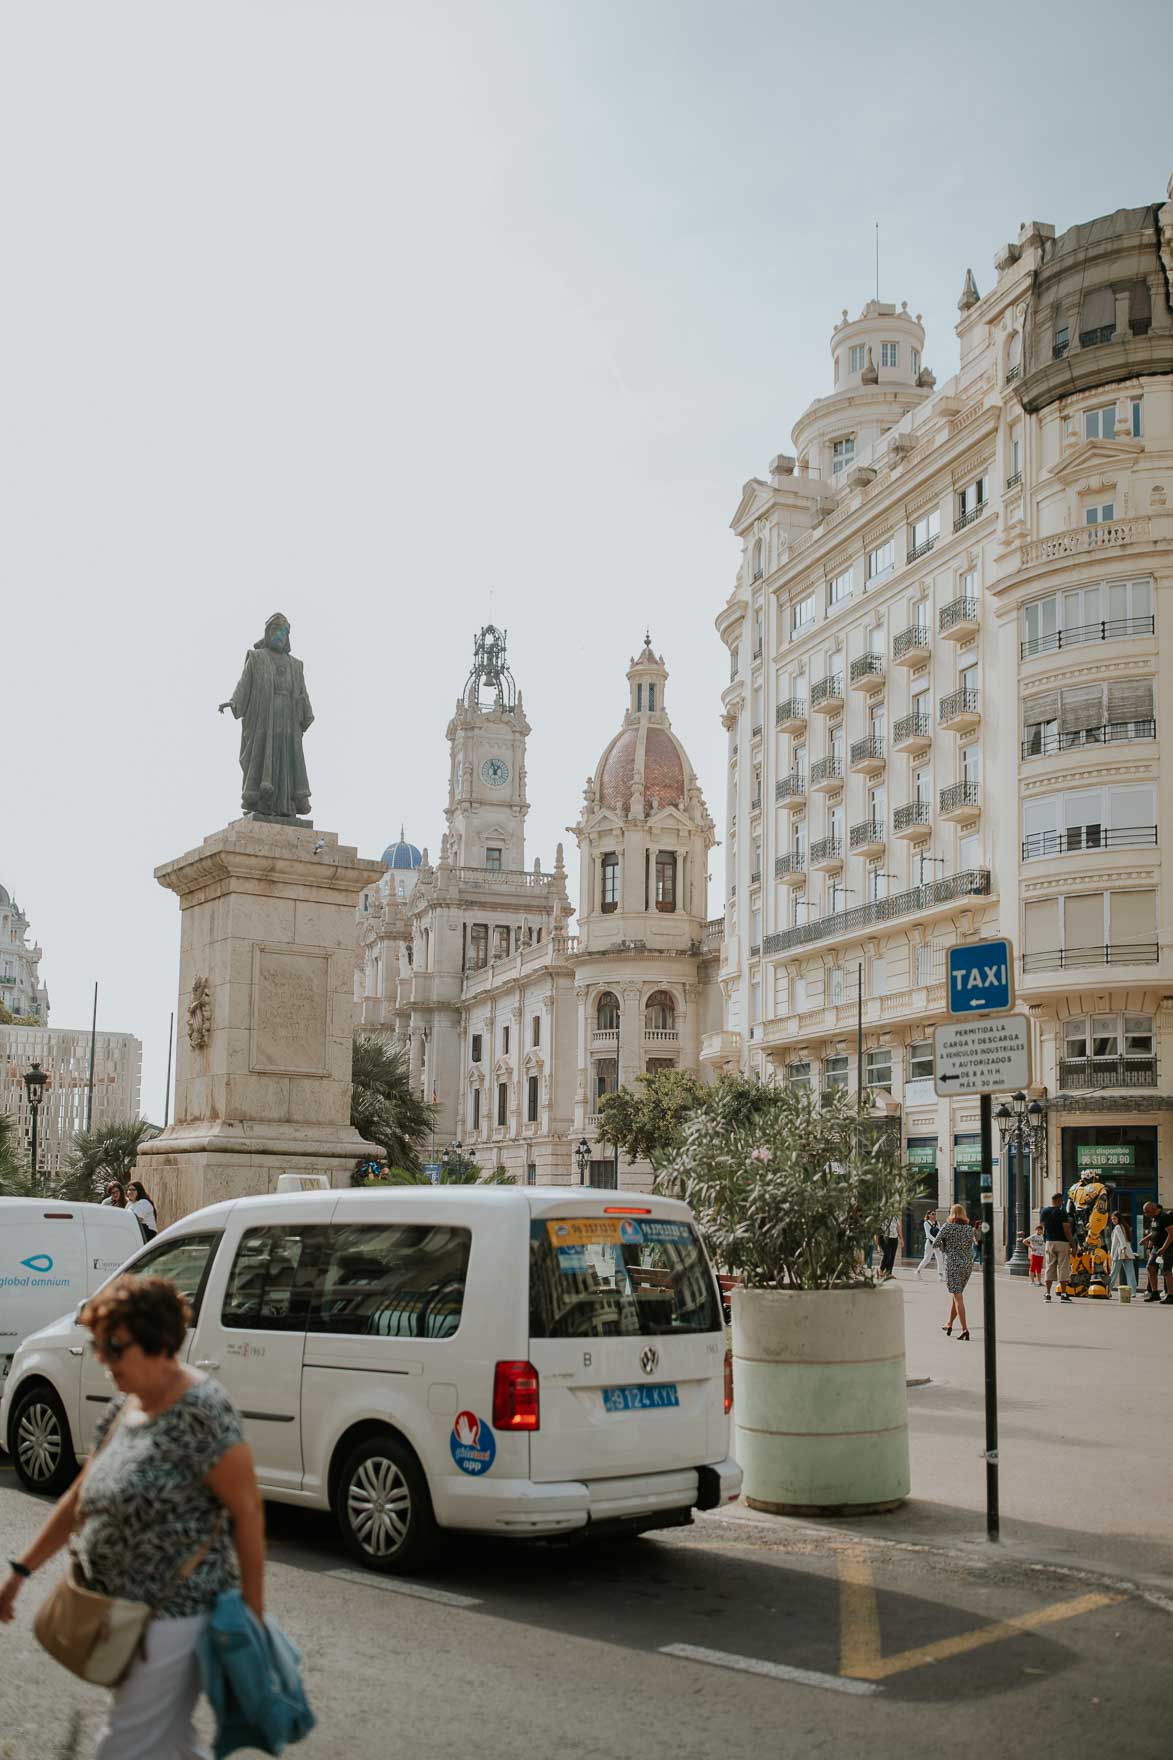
x: 607, y: 1012
x: 758, y: 558
x: 1014, y: 355
x: 660, y: 1013
x: 610, y: 889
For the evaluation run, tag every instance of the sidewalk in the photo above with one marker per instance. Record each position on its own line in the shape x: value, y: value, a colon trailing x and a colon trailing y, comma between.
x: 1085, y: 1432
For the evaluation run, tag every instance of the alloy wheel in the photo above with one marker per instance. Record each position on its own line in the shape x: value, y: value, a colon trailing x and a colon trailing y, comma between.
x: 378, y: 1507
x: 39, y: 1441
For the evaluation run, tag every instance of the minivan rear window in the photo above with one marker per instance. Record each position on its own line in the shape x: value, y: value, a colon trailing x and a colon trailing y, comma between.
x: 611, y: 1276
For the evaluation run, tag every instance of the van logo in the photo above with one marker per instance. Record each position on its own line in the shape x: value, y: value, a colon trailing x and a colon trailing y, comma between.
x: 39, y: 1262
x: 649, y: 1360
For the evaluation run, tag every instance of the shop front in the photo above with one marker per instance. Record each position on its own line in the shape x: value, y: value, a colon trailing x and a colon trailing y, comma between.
x: 921, y: 1155
x: 1123, y: 1157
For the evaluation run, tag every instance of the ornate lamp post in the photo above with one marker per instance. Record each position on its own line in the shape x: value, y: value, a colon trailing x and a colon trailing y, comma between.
x: 34, y: 1081
x: 1022, y: 1129
x: 582, y: 1156
x: 451, y: 1152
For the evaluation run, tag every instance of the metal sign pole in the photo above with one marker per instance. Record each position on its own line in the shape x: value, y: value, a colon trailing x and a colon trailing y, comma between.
x: 990, y: 1328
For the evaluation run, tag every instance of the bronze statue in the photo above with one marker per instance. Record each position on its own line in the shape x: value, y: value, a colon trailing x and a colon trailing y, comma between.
x: 271, y: 704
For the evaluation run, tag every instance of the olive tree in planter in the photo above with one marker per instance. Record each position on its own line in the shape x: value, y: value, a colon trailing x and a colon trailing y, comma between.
x: 789, y: 1201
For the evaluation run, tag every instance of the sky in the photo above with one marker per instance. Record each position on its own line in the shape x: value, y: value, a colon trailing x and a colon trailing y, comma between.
x: 404, y: 318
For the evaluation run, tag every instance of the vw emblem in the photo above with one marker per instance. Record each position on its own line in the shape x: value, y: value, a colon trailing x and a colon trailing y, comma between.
x: 649, y: 1360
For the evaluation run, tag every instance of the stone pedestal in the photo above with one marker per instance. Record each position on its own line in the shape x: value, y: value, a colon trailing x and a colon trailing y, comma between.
x: 265, y: 1018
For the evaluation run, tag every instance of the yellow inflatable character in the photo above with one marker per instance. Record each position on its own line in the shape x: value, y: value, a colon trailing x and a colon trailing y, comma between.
x: 1087, y: 1206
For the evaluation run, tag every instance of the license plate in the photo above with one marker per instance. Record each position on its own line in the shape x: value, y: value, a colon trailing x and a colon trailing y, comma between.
x: 639, y: 1399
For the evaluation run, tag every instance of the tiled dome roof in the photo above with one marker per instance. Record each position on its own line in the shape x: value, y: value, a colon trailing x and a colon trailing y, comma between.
x: 401, y: 854
x: 654, y: 754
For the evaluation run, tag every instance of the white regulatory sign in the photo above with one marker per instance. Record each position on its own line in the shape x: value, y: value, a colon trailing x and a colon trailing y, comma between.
x: 989, y: 1054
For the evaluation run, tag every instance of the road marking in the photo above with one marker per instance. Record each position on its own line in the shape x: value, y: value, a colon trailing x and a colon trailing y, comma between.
x: 945, y: 1648
x: 777, y: 1671
x: 400, y: 1586
x: 859, y: 1622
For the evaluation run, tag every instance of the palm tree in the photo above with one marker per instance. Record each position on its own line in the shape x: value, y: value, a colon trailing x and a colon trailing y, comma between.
x: 100, y: 1155
x: 12, y: 1172
x: 384, y: 1108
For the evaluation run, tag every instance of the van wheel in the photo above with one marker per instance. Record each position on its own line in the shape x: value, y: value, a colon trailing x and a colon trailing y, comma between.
x: 42, y: 1450
x: 382, y: 1506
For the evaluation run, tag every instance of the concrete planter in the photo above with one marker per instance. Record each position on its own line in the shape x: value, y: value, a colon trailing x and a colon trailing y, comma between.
x: 819, y: 1405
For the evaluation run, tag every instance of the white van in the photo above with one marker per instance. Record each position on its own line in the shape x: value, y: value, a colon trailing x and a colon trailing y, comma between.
x: 515, y: 1361
x: 51, y: 1256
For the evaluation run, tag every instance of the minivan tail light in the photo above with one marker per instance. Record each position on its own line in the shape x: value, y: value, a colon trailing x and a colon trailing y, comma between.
x: 728, y: 1382
x: 626, y: 1210
x: 516, y: 1404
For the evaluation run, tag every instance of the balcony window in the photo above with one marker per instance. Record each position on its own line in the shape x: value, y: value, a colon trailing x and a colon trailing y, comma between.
x: 923, y: 534
x: 1102, y: 513
x: 1119, y: 817
x: 857, y: 358
x: 1109, y: 611
x: 666, y: 880
x: 842, y: 455
x: 971, y: 502
x: 889, y: 354
x: 607, y: 1013
x: 1061, y: 343
x: 493, y: 860
x: 478, y: 946
x: 1097, y: 317
x: 660, y: 1013
x: 1100, y: 424
x: 802, y: 614
x: 880, y: 562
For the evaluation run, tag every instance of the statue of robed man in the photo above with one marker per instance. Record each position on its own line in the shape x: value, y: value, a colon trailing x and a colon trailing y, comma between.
x: 271, y: 704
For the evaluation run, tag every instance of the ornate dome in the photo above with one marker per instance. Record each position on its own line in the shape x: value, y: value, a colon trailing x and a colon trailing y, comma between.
x: 5, y: 897
x: 401, y: 854
x: 652, y: 754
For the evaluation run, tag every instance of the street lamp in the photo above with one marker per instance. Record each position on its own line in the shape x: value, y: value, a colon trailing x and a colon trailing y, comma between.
x: 582, y: 1156
x: 34, y: 1082
x: 451, y: 1152
x: 1022, y: 1128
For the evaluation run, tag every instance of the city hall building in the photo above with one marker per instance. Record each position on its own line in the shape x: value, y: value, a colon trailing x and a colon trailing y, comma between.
x: 944, y: 711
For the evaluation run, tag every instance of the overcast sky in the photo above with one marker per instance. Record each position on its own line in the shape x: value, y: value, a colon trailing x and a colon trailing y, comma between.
x: 399, y: 318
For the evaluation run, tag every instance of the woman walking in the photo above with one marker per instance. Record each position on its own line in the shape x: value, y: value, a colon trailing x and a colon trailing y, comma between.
x: 137, y: 1200
x: 1123, y: 1256
x: 956, y: 1240
x: 932, y: 1229
x: 167, y: 1497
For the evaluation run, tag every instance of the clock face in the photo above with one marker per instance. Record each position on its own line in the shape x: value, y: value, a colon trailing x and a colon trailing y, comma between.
x: 495, y: 772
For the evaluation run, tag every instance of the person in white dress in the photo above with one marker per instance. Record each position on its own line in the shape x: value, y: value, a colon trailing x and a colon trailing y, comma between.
x: 931, y: 1252
x: 1123, y: 1256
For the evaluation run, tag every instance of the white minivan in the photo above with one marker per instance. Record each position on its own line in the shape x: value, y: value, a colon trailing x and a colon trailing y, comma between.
x: 534, y: 1361
x: 51, y: 1256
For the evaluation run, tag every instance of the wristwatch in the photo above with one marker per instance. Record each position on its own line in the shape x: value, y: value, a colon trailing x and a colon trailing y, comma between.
x: 21, y: 1570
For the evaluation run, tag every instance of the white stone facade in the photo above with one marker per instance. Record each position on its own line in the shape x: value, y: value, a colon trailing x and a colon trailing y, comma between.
x: 21, y: 990
x: 515, y: 1025
x: 945, y: 703
x: 64, y: 1053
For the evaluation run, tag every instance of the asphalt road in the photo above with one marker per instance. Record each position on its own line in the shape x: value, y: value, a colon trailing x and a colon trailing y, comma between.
x: 738, y: 1637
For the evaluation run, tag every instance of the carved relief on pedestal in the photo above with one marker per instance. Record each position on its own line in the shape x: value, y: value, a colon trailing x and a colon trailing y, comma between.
x: 199, y: 1014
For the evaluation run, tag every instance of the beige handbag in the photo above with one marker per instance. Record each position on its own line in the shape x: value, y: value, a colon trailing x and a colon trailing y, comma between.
x: 98, y: 1636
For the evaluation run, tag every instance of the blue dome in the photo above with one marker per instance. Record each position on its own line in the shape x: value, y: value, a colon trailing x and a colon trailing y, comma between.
x: 401, y: 854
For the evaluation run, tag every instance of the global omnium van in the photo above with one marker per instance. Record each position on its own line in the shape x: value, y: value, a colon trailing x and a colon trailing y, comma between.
x: 535, y: 1361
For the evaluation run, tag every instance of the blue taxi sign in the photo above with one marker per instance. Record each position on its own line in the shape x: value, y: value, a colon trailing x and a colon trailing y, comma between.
x: 980, y: 977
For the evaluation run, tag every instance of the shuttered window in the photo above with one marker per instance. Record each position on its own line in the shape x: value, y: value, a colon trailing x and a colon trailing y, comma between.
x: 1083, y: 924
x: 1041, y: 925
x: 1081, y: 709
x: 1134, y: 916
x: 1042, y: 707
x: 1131, y: 701
x: 1098, y: 311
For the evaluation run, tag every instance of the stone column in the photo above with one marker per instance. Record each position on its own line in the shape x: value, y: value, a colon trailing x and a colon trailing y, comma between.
x: 266, y: 1015
x: 1123, y: 330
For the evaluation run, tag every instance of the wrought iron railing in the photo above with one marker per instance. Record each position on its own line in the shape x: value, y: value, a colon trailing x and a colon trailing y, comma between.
x: 1108, y: 1072
x: 1112, y: 953
x: 827, y: 849
x: 971, y: 513
x: 911, y: 641
x: 826, y: 770
x: 1038, y: 744
x: 972, y: 882
x: 827, y: 689
x: 1109, y: 630
x: 867, y: 666
x: 914, y: 813
x: 793, y: 709
x: 794, y: 863
x: 870, y: 747
x: 792, y: 787
x: 916, y: 551
x: 1014, y: 480
x: 1083, y: 837
x: 916, y: 726
x: 960, y: 794
x: 963, y: 610
x: 1093, y: 338
x: 962, y: 702
x: 870, y: 831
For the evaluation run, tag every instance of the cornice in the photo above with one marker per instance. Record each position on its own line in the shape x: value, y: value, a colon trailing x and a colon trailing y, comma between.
x: 1045, y: 886
x: 1097, y: 773
x: 1143, y: 666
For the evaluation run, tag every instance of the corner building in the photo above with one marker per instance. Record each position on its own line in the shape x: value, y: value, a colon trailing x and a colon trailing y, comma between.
x: 943, y: 712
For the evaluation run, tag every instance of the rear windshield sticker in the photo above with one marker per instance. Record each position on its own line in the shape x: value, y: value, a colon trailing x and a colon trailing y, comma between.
x: 572, y: 1261
x: 666, y: 1231
x: 582, y: 1231
x: 473, y: 1445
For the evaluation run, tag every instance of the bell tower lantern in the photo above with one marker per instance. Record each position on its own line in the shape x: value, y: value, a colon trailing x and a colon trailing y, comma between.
x: 486, y: 782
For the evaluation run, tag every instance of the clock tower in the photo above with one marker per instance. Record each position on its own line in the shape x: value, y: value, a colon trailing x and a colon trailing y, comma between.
x: 486, y: 781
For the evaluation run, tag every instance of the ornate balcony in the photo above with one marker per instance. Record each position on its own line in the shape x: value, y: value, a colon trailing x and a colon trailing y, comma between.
x: 827, y: 854
x: 958, y: 620
x: 791, y: 788
x: 913, y: 734
x: 959, y: 712
x: 911, y: 645
x: 790, y: 716
x: 960, y: 802
x: 1114, y: 953
x: 867, y: 839
x: 1112, y: 629
x: 827, y: 694
x: 919, y: 901
x: 968, y: 518
x: 1108, y: 1072
x: 826, y: 774
x: 791, y: 869
x: 867, y: 672
x: 911, y: 820
x: 867, y: 755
